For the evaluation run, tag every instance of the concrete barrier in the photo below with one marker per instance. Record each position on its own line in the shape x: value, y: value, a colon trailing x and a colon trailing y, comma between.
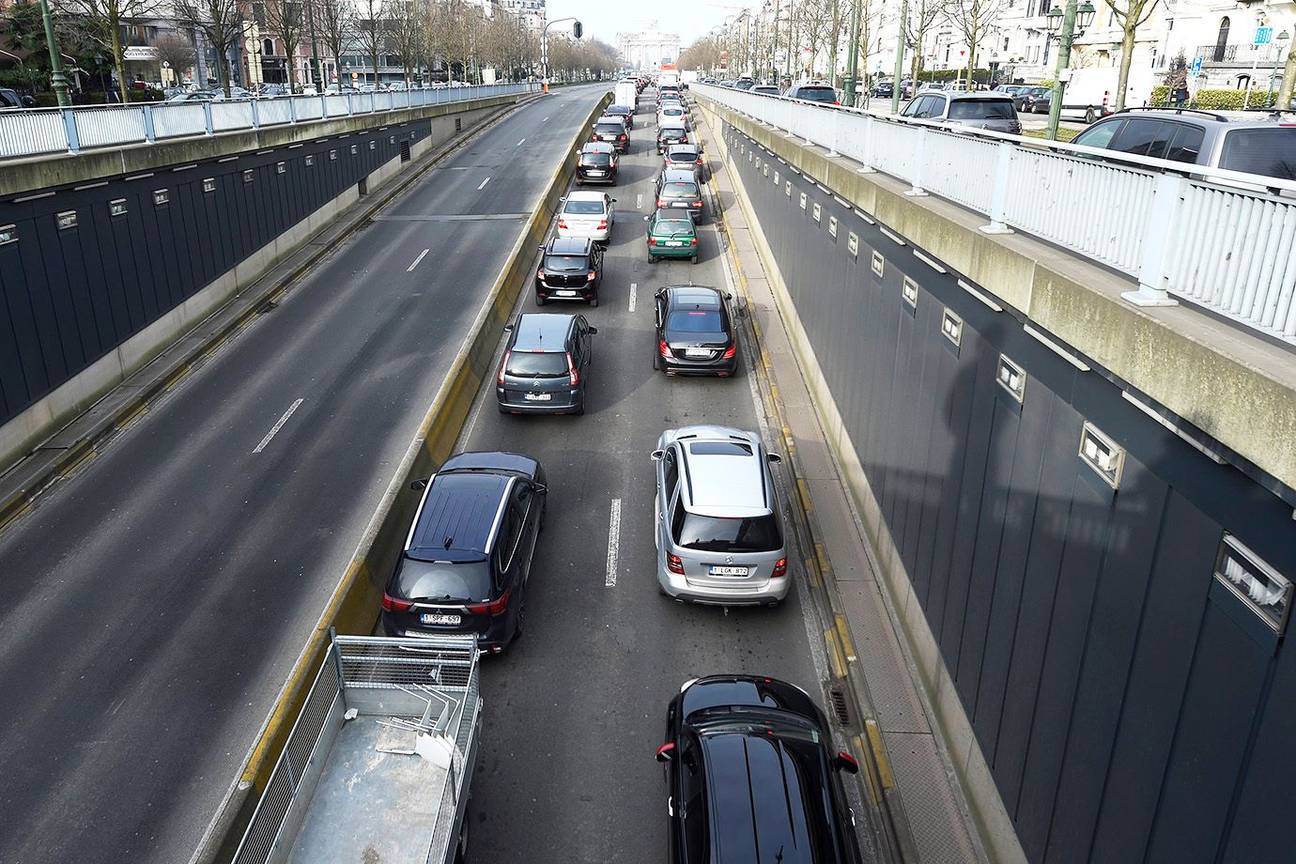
x: 353, y: 605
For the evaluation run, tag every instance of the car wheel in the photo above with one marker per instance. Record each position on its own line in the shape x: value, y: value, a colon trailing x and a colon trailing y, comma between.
x: 540, y: 301
x: 519, y: 624
x: 1089, y: 115
x: 580, y: 408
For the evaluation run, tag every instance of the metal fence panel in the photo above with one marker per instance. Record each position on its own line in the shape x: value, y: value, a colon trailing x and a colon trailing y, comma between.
x: 227, y: 116
x: 183, y: 118
x: 307, y: 107
x: 29, y: 133
x: 335, y: 105
x: 103, y: 127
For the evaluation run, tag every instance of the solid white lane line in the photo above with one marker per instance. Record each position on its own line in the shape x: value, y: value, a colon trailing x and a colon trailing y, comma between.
x: 614, y: 543
x: 639, y: 202
x: 275, y: 429
x: 410, y: 269
x: 634, y: 289
x: 520, y: 143
x: 483, y: 184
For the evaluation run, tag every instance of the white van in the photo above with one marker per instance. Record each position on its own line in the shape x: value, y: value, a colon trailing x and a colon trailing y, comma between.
x: 626, y: 93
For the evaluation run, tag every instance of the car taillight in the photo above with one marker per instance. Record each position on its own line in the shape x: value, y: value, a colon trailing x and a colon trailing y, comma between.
x: 673, y: 562
x: 730, y: 352
x: 652, y: 241
x: 835, y: 102
x: 697, y: 203
x: 540, y: 273
x: 621, y: 138
x: 693, y: 242
x: 494, y: 608
x: 393, y: 604
x: 562, y: 223
x: 602, y: 224
x: 663, y: 348
x: 661, y: 202
x: 571, y: 370
x: 503, y: 366
x: 780, y: 566
x: 590, y: 276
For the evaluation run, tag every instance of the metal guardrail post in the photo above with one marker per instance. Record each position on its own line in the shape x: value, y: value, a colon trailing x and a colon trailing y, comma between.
x: 207, y: 118
x: 323, y: 106
x: 350, y: 105
x: 150, y: 133
x: 870, y: 136
x: 920, y: 157
x: 70, y: 130
x: 292, y: 111
x: 999, y: 194
x: 1167, y: 201
x: 256, y: 114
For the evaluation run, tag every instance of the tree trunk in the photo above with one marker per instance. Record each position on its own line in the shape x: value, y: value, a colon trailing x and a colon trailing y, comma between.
x: 290, y: 48
x: 1127, y: 57
x: 1288, y: 81
x: 118, y: 63
x: 222, y: 72
x: 972, y: 48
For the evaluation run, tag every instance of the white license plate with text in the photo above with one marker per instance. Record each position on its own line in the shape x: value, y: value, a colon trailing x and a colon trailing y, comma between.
x: 440, y: 618
x: 728, y: 571
x: 538, y: 397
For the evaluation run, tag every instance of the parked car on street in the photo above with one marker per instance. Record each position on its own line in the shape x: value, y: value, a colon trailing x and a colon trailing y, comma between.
x: 1025, y: 100
x: 570, y: 269
x: 749, y: 769
x: 969, y: 110
x: 767, y: 89
x: 671, y: 235
x: 546, y: 365
x: 467, y: 559
x: 679, y: 189
x: 718, y: 534
x: 597, y: 163
x: 586, y: 214
x: 813, y: 91
x: 12, y: 99
x: 695, y: 333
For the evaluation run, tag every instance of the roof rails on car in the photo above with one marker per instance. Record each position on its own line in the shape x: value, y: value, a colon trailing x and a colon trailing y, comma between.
x: 1212, y: 114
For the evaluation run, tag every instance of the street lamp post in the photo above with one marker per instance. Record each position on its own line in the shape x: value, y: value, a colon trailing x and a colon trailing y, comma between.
x: 1065, y: 22
x: 544, y: 46
x: 57, y: 79
x: 1281, y: 41
x: 899, y: 64
x: 852, y: 64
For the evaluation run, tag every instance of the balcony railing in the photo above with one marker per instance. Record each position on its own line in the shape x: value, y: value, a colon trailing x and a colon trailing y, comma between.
x: 1234, y: 53
x: 40, y: 131
x: 1221, y: 239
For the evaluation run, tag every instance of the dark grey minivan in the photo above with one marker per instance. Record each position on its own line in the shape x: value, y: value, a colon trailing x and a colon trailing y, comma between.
x: 546, y: 365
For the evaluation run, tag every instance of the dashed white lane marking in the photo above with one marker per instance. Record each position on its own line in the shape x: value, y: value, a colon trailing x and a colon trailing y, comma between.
x: 639, y: 202
x: 520, y: 143
x: 275, y: 429
x: 417, y: 261
x: 545, y: 120
x: 483, y: 184
x: 614, y: 543
x: 634, y: 289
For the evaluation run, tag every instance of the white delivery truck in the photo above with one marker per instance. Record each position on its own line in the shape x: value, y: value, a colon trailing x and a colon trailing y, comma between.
x: 377, y: 765
x: 626, y: 93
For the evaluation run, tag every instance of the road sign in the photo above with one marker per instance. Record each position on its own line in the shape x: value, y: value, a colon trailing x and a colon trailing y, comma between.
x: 1264, y: 35
x: 1196, y: 66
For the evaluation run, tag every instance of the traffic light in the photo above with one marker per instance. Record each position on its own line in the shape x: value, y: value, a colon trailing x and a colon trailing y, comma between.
x: 577, y: 29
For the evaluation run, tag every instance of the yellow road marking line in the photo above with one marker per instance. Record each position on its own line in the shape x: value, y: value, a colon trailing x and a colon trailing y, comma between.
x: 879, y: 754
x: 80, y: 463
x: 804, y: 492
x: 15, y: 514
x: 835, y: 657
x: 130, y: 419
x: 843, y: 633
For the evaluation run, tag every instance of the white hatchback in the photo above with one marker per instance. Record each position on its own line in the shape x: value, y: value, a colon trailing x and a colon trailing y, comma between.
x: 587, y: 214
x: 672, y: 115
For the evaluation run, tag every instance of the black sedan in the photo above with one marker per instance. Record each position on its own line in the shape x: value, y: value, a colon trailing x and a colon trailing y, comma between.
x: 467, y: 562
x: 597, y: 163
x: 749, y: 771
x: 695, y: 335
x: 571, y: 269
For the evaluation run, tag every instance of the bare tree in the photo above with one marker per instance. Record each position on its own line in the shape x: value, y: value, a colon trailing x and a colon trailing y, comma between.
x: 703, y: 53
x: 371, y: 28
x: 407, y: 21
x: 176, y: 51
x: 287, y: 20
x: 1132, y: 14
x: 922, y: 17
x: 336, y: 22
x: 974, y: 20
x: 221, y: 25
x: 102, y: 22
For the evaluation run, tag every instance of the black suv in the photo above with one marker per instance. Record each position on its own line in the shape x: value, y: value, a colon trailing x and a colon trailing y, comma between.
x: 668, y: 135
x: 571, y: 269
x: 597, y: 163
x: 750, y: 775
x: 613, y: 131
x: 678, y: 189
x: 695, y: 334
x: 546, y: 365
x: 468, y: 556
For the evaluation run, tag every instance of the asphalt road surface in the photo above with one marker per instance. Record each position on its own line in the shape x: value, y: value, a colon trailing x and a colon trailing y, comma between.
x: 575, y: 710
x: 154, y: 603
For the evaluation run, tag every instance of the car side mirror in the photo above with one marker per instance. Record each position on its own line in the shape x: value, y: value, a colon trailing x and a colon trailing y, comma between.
x: 28, y: 102
x: 773, y: 458
x: 613, y: 200
x: 593, y: 331
x: 666, y: 752
x: 658, y: 455
x: 540, y: 488
x: 728, y: 296
x: 844, y: 761
x: 419, y: 485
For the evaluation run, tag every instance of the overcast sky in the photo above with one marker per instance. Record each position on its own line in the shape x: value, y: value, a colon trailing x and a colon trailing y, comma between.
x: 603, y: 19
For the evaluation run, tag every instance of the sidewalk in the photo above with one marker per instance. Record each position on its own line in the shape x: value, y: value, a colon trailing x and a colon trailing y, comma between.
x: 877, y: 663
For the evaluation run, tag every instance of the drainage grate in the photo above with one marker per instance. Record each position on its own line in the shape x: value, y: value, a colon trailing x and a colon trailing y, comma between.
x: 841, y: 708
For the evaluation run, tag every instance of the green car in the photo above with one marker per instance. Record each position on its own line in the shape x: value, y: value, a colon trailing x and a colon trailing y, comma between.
x: 671, y: 236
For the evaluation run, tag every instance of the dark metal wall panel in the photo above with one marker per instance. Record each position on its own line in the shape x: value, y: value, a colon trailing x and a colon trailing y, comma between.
x: 70, y: 295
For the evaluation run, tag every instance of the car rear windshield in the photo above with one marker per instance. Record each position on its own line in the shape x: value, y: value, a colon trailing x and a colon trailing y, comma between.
x: 680, y: 190
x: 537, y: 364
x: 609, y: 128
x: 673, y: 132
x: 602, y: 159
x: 683, y: 156
x: 674, y: 226
x: 584, y: 208
x: 982, y: 109
x: 1271, y: 152
x: 442, y: 581
x: 565, y: 263
x: 719, y: 534
x: 817, y: 94
x: 695, y: 321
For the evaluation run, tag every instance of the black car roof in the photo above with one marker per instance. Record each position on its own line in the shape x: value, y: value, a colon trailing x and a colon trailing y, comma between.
x: 570, y: 246
x: 724, y: 691
x: 697, y: 295
x: 542, y: 331
x: 455, y: 521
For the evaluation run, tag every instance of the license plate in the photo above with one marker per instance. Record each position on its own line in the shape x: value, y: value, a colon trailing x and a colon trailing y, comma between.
x: 438, y: 618
x: 564, y: 293
x: 596, y: 173
x: 703, y: 353
x: 728, y: 571
x: 674, y: 243
x: 538, y: 397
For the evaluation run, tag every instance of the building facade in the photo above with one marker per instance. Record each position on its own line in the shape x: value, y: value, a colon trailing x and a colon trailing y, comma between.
x: 648, y: 48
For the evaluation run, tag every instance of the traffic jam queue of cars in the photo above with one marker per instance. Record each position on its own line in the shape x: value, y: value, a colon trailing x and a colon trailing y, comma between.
x: 746, y: 759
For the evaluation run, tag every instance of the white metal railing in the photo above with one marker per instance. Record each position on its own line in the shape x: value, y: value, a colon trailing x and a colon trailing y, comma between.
x: 41, y: 131
x: 1221, y: 239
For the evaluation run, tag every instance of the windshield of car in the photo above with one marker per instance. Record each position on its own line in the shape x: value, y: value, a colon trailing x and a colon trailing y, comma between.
x: 583, y: 208
x: 537, y: 364
x: 596, y: 159
x: 982, y: 109
x: 694, y: 321
x: 1271, y: 152
x: 609, y: 128
x: 682, y: 156
x: 565, y: 263
x: 680, y: 190
x: 723, y: 534
x: 443, y: 581
x: 673, y: 226
x: 817, y: 94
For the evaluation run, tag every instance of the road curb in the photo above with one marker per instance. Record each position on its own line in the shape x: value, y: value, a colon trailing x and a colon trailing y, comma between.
x: 353, y: 604
x: 879, y: 782
x: 19, y: 501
